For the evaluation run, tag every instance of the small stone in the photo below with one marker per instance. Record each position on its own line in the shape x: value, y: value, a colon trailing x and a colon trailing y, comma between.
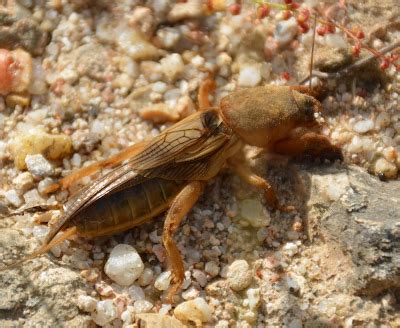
x: 382, y: 120
x: 239, y: 275
x: 23, y: 181
x: 172, y: 66
x: 146, y: 278
x: 104, y: 312
x: 285, y: 31
x: 163, y: 280
x: 124, y: 265
x: 185, y: 10
x: 53, y: 147
x: 197, y: 311
x: 142, y: 306
x: 127, y: 315
x: 290, y: 249
x: 212, y: 268
x: 363, y: 126
x: 136, y: 293
x: 33, y: 198
x: 383, y: 166
x: 253, y: 295
x: 253, y: 211
x: 190, y: 293
x: 38, y: 165
x: 249, y: 76
x: 200, y: 277
x: 87, y: 303
x: 13, y: 198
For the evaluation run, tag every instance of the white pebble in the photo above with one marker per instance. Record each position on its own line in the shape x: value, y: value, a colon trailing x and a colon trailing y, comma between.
x: 146, y: 278
x: 197, y: 311
x: 32, y: 198
x: 76, y: 160
x: 200, y: 277
x: 363, y: 126
x: 104, y: 313
x: 253, y: 295
x: 190, y: 293
x: 163, y: 280
x: 389, y: 170
x: 136, y: 293
x: 290, y: 249
x: 285, y: 31
x: 87, y: 303
x: 249, y: 76
x: 124, y: 265
x: 38, y: 165
x: 126, y: 316
x: 239, y: 275
x: 13, y: 198
x: 159, y: 87
x: 172, y: 66
x: 142, y: 306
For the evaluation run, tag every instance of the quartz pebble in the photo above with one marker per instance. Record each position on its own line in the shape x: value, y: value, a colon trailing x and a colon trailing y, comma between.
x: 142, y: 306
x: 146, y: 278
x: 38, y: 165
x: 249, y: 76
x: 290, y: 249
x: 163, y: 280
x: 185, y: 10
x: 55, y: 147
x: 239, y: 275
x: 172, y: 66
x: 124, y: 265
x: 212, y: 268
x: 23, y: 181
x: 285, y: 31
x: 197, y: 311
x: 104, y: 312
x: 136, y: 293
x: 13, y: 198
x: 363, y: 126
x: 253, y: 295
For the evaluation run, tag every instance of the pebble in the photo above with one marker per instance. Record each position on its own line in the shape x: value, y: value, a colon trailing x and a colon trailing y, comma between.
x: 363, y: 126
x: 239, y: 275
x: 136, y: 293
x: 104, y: 312
x: 200, y: 277
x: 23, y: 181
x: 32, y: 198
x: 253, y: 295
x: 87, y: 303
x: 124, y: 265
x: 185, y: 10
x: 146, y: 278
x: 142, y: 306
x: 290, y: 249
x: 285, y: 31
x: 172, y: 66
x: 163, y: 280
x: 385, y: 167
x: 54, y: 147
x: 38, y: 165
x: 249, y: 76
x: 197, y: 311
x: 253, y: 211
x: 13, y: 198
x: 212, y: 268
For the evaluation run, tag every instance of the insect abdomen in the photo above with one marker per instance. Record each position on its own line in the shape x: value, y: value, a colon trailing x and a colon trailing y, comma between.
x: 127, y: 208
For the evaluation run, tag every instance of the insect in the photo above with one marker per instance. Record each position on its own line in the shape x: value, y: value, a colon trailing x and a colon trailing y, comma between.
x: 170, y: 171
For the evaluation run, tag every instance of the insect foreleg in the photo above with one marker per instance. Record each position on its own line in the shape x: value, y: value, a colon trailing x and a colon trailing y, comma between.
x: 308, y: 143
x: 206, y: 87
x: 180, y: 206
x: 251, y: 178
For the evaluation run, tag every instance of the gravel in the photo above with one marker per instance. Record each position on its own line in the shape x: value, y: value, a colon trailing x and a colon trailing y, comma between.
x: 96, y: 77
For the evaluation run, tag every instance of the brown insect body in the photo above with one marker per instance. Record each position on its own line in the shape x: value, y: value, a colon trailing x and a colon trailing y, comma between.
x: 170, y: 170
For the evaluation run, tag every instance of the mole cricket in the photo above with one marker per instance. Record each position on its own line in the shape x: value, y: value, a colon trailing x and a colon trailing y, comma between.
x: 170, y: 171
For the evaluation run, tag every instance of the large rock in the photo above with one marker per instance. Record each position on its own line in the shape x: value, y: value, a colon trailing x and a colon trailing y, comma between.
x: 37, y: 293
x: 358, y: 213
